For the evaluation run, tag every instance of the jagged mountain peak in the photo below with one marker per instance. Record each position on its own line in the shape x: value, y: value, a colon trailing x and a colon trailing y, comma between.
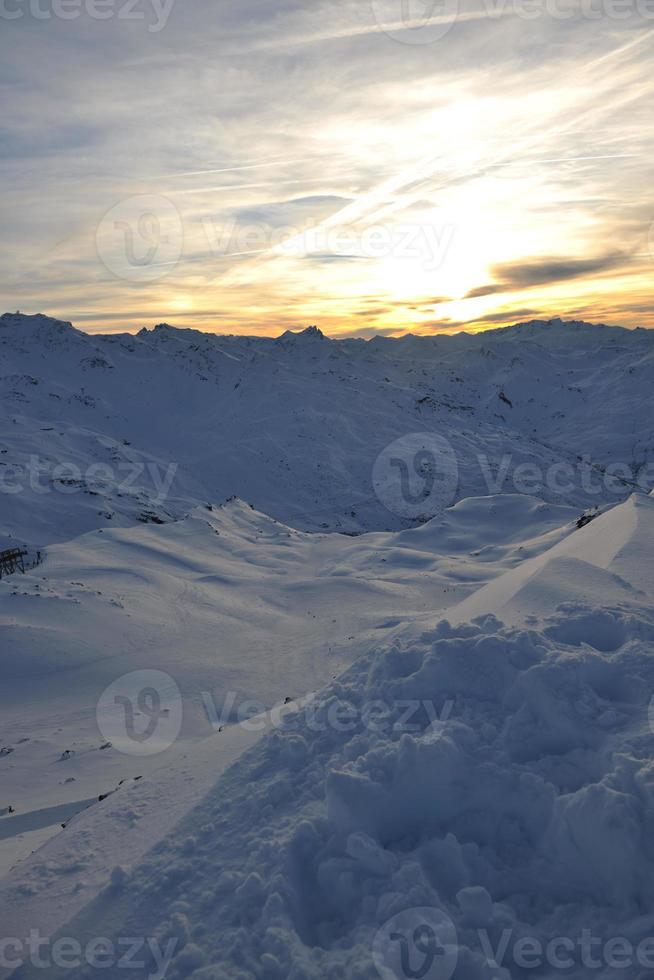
x: 312, y: 333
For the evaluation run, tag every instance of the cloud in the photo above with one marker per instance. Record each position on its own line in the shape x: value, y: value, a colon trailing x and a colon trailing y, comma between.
x: 292, y: 212
x: 332, y: 122
x: 544, y: 271
x: 507, y: 316
x: 372, y: 311
x: 428, y: 303
x: 330, y: 257
x: 489, y: 290
x: 503, y: 317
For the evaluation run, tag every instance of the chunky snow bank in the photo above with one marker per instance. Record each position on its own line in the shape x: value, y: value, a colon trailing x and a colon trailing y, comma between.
x: 525, y: 812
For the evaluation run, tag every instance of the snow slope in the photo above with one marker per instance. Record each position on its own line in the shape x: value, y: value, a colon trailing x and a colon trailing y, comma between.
x: 617, y: 546
x: 144, y: 427
x: 515, y: 802
x: 491, y: 779
x: 232, y: 605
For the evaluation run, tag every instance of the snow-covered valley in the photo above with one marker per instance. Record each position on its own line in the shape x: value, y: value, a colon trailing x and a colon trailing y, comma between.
x: 390, y: 734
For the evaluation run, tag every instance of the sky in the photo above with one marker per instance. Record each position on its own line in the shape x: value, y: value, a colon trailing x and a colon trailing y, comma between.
x: 371, y: 167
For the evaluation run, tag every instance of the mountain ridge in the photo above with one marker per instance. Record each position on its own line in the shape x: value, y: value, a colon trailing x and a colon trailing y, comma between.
x: 295, y: 424
x: 314, y: 332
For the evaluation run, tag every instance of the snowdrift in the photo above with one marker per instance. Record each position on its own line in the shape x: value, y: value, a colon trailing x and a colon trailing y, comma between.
x: 618, y: 545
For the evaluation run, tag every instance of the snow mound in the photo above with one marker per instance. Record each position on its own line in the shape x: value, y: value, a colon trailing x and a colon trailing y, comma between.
x: 483, y: 525
x: 499, y: 777
x: 620, y: 542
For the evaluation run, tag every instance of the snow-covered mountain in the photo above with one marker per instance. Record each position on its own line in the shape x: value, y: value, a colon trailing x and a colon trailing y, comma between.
x: 145, y: 427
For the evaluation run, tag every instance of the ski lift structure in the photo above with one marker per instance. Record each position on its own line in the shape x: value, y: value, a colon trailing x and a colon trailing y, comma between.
x: 12, y: 560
